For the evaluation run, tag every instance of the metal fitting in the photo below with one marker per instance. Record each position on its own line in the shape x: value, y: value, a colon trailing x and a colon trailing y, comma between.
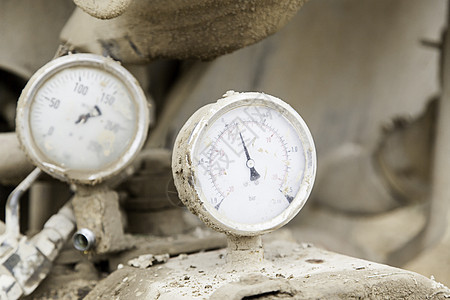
x: 83, y: 239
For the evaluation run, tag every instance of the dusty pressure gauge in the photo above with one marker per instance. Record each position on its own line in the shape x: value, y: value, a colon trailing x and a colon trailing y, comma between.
x: 245, y: 164
x: 82, y: 118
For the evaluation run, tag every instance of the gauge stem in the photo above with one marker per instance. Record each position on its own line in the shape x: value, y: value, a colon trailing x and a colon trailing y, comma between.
x: 244, y: 251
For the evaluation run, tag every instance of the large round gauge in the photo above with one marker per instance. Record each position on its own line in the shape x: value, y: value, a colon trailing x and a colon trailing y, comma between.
x: 82, y: 118
x: 246, y: 164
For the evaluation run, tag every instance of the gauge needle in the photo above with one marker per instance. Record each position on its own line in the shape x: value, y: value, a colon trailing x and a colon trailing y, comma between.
x: 250, y: 162
x: 95, y: 112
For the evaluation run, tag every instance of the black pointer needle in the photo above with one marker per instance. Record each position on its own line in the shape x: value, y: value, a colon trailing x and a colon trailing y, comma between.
x: 250, y: 162
x: 85, y: 117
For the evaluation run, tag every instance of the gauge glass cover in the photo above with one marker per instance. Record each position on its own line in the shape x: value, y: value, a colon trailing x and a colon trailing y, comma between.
x: 254, y: 163
x: 82, y: 117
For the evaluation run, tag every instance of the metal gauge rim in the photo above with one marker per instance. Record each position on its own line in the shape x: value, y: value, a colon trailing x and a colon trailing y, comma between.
x: 45, y: 73
x: 200, y: 204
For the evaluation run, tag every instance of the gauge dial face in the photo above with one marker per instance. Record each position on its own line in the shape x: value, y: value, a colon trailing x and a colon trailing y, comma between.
x: 252, y: 160
x: 251, y: 164
x: 83, y: 119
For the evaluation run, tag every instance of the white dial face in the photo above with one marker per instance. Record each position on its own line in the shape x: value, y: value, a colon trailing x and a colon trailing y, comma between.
x: 83, y: 118
x: 251, y: 164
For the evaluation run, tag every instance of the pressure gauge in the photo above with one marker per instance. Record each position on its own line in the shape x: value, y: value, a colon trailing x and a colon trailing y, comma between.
x: 82, y: 118
x: 245, y: 164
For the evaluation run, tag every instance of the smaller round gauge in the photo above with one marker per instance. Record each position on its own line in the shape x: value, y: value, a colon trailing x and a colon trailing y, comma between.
x: 246, y: 164
x: 82, y: 118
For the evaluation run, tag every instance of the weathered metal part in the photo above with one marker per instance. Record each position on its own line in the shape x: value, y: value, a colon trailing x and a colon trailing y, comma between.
x: 97, y: 209
x: 56, y: 230
x: 244, y: 252
x: 24, y: 264
x: 12, y: 231
x: 290, y: 270
x: 20, y: 265
x: 103, y: 9
x: 178, y: 29
x: 83, y: 239
x: 14, y: 165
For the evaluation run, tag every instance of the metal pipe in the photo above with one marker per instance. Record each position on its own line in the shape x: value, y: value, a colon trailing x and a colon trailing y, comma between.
x: 244, y: 252
x: 83, y: 239
x: 13, y: 205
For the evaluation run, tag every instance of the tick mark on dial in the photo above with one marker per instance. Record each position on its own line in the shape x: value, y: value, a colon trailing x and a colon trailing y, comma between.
x: 289, y: 198
x: 217, y: 206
